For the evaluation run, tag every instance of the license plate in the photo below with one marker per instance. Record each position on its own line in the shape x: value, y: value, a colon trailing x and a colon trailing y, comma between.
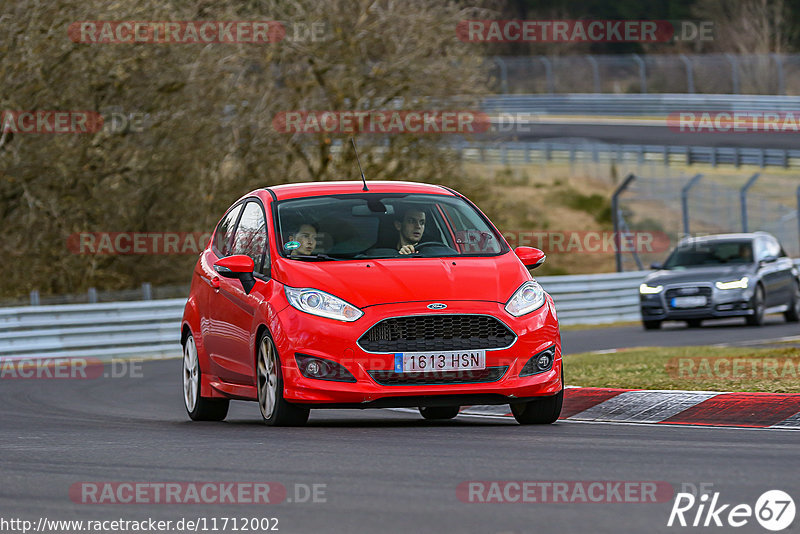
x: 689, y: 302
x: 457, y: 360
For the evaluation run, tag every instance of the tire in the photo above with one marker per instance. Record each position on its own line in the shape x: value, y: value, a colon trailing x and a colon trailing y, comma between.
x: 757, y: 319
x: 199, y: 408
x: 694, y: 323
x: 275, y: 410
x: 651, y: 325
x: 792, y: 315
x: 434, y: 413
x: 542, y: 411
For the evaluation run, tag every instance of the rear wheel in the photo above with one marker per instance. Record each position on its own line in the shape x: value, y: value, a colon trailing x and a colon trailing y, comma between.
x: 651, y: 325
x: 199, y: 408
x: 757, y: 319
x: 275, y: 410
x: 792, y: 315
x: 439, y: 412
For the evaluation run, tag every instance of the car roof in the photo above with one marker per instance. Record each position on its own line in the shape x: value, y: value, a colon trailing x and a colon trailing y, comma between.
x: 310, y: 189
x: 725, y: 237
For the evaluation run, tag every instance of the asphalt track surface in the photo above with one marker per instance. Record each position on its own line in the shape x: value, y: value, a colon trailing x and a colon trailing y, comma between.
x: 731, y: 332
x: 646, y: 135
x: 383, y: 470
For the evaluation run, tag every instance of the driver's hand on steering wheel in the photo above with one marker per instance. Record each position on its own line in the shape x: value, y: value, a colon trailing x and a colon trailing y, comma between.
x: 407, y: 249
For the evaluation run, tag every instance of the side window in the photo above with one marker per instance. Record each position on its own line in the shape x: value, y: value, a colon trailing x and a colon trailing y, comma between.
x: 224, y: 232
x: 251, y: 236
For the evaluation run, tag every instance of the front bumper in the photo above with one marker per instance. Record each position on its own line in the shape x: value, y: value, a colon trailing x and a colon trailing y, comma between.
x: 335, y: 340
x: 721, y: 303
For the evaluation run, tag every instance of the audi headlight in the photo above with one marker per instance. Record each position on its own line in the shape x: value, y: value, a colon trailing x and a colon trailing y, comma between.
x: 734, y: 284
x: 318, y: 302
x: 644, y: 289
x: 529, y: 297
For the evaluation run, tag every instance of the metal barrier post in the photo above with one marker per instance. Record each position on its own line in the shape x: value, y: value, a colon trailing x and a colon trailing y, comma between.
x: 616, y: 216
x: 595, y: 73
x: 548, y: 71
x: 743, y: 198
x: 689, y: 74
x: 779, y: 64
x: 503, y: 74
x: 642, y: 73
x: 685, y: 200
x: 35, y: 293
x: 734, y: 72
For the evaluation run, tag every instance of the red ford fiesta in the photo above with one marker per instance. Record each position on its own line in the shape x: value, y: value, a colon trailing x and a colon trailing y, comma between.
x: 351, y: 295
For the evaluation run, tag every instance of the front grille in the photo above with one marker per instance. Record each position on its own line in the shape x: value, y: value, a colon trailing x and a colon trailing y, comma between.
x: 390, y: 378
x: 698, y: 291
x: 420, y: 333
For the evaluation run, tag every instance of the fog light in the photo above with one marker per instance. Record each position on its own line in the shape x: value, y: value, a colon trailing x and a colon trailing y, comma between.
x: 322, y: 369
x: 314, y: 368
x: 539, y: 363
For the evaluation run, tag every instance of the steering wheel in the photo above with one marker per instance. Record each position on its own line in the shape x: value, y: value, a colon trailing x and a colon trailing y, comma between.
x: 428, y: 244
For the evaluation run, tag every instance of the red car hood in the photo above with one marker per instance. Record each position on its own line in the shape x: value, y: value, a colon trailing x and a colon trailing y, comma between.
x: 366, y: 283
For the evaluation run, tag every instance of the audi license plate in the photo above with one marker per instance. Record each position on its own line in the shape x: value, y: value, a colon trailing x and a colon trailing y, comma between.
x: 689, y: 302
x: 457, y: 360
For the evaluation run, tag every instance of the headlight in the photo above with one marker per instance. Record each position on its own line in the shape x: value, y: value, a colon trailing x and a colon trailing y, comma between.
x: 734, y: 284
x: 318, y: 302
x: 529, y: 297
x: 644, y: 289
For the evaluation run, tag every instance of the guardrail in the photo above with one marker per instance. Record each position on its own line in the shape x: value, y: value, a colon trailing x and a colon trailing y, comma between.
x: 151, y: 329
x: 115, y: 329
x: 635, y: 104
x: 517, y: 153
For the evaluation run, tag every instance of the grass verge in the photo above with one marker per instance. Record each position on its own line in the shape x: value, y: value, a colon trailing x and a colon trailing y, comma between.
x: 770, y: 370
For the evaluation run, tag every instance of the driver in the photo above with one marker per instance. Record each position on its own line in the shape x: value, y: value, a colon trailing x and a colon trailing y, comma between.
x: 306, y: 236
x: 410, y: 227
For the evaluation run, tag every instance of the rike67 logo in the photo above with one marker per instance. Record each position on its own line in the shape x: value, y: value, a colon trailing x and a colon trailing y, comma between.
x: 774, y: 510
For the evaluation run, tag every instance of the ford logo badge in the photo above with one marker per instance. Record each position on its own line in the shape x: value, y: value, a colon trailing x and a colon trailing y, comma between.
x: 437, y: 306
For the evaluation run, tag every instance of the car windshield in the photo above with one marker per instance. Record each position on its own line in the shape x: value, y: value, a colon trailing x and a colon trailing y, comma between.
x: 379, y: 225
x: 708, y: 253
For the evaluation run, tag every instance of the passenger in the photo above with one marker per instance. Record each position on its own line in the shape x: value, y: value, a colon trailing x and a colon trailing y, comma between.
x: 746, y: 253
x: 305, y: 235
x: 410, y: 227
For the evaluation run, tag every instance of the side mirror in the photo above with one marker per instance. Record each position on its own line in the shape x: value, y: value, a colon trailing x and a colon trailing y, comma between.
x: 239, y: 266
x: 530, y: 257
x: 656, y: 265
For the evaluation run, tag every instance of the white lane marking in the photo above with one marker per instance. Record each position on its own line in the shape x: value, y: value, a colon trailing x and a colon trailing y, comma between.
x: 756, y: 342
